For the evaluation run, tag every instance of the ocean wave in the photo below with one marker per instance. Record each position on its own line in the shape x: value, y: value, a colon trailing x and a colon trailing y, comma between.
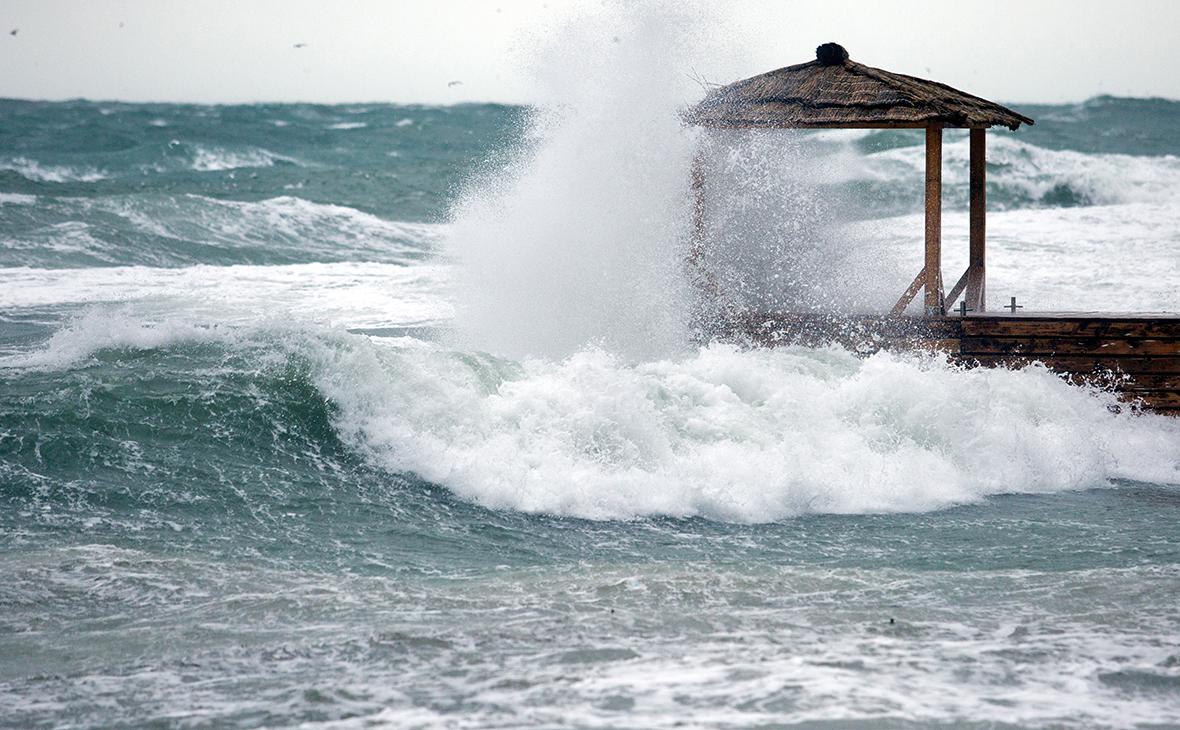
x: 348, y: 125
x: 1023, y: 173
x: 741, y: 436
x: 726, y: 434
x: 214, y: 159
x: 354, y: 295
x: 171, y: 230
x: 39, y: 172
x: 17, y: 199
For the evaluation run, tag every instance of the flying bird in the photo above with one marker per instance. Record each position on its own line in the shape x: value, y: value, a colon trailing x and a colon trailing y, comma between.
x: 14, y: 31
x: 300, y: 45
x: 454, y: 83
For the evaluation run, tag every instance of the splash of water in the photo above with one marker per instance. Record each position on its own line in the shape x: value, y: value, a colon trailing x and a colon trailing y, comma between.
x: 582, y: 238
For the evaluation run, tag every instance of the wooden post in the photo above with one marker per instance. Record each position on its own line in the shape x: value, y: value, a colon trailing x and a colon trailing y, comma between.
x: 933, y: 266
x: 696, y: 250
x: 977, y: 266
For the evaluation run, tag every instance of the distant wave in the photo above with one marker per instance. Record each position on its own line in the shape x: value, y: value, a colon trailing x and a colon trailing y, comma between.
x: 34, y: 170
x: 348, y: 125
x: 135, y: 299
x: 1028, y: 173
x: 211, y: 159
x: 169, y: 230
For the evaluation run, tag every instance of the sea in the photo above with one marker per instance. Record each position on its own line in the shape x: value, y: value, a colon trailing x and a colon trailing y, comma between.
x: 377, y: 415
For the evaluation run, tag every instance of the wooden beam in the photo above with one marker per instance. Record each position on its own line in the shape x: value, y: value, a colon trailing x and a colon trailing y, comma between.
x: 957, y: 289
x: 933, y: 266
x: 909, y: 294
x: 696, y: 250
x: 977, y: 266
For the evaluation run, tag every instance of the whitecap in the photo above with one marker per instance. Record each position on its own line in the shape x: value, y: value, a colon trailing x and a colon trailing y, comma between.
x: 217, y: 159
x: 34, y: 170
x: 747, y: 436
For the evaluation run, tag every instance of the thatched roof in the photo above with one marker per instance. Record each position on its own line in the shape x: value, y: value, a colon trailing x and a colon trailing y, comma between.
x: 833, y: 91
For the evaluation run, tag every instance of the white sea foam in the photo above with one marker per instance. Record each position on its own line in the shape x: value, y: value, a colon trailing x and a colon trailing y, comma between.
x: 212, y: 159
x: 1036, y: 171
x: 34, y: 170
x: 279, y: 224
x: 355, y: 295
x: 1089, y: 258
x: 348, y: 125
x: 404, y: 122
x: 732, y: 435
x: 17, y: 199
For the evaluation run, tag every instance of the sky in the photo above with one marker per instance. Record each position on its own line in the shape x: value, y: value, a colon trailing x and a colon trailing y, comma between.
x: 222, y: 51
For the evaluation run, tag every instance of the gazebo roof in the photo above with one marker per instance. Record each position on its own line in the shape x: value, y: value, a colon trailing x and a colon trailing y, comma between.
x: 833, y: 91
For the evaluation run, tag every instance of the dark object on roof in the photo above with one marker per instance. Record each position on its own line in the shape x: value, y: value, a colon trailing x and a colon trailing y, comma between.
x: 833, y: 91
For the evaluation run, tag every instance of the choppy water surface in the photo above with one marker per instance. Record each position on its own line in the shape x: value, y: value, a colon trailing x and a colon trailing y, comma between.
x: 251, y: 475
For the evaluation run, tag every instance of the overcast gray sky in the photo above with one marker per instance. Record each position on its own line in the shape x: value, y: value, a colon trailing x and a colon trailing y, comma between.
x: 407, y: 51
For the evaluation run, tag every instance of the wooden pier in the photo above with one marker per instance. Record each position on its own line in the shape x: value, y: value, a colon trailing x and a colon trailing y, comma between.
x: 1136, y: 355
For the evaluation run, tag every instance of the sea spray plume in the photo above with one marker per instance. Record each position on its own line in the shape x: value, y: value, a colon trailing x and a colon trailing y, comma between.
x: 778, y: 225
x: 582, y: 238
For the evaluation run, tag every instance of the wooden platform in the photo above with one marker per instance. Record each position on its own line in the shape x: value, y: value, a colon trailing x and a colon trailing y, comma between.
x: 1136, y: 355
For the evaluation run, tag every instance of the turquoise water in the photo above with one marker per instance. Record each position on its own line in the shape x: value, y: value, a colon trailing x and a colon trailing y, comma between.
x: 254, y: 472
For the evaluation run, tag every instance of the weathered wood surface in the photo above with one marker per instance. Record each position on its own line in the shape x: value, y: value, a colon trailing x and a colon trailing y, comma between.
x: 977, y: 259
x: 933, y: 266
x: 1136, y: 355
x: 1097, y: 346
x: 991, y: 326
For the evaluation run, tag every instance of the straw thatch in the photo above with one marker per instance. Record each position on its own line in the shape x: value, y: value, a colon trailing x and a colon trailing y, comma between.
x: 833, y: 91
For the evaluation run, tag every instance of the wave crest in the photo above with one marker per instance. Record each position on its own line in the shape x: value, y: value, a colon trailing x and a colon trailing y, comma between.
x: 747, y: 436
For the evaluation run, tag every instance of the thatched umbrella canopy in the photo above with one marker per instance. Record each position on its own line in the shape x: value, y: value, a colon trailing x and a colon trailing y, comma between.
x: 833, y: 91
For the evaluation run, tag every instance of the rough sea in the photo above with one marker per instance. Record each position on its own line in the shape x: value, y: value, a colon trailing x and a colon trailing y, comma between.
x: 390, y: 416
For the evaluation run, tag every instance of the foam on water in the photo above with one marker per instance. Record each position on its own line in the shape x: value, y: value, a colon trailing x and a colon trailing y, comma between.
x: 167, y: 230
x: 34, y: 170
x: 1027, y: 172
x: 733, y: 435
x: 747, y: 436
x: 353, y: 295
x: 217, y: 159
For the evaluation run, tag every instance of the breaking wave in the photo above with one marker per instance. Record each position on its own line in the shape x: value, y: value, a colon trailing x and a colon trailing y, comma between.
x: 167, y: 230
x: 730, y: 435
x: 1021, y: 173
x: 39, y: 172
x: 214, y: 159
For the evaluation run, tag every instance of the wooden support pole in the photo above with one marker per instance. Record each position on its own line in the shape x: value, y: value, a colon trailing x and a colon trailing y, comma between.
x: 933, y: 266
x: 696, y: 250
x: 909, y: 294
x: 977, y: 266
